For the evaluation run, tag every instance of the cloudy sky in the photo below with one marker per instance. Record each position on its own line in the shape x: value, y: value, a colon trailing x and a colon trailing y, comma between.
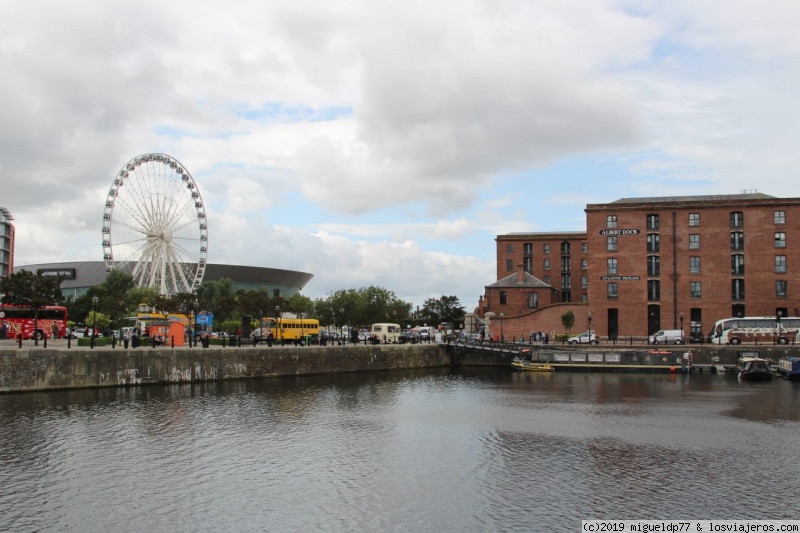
x: 378, y: 142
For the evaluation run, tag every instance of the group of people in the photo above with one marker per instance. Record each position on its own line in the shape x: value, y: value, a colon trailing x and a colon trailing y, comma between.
x: 538, y: 337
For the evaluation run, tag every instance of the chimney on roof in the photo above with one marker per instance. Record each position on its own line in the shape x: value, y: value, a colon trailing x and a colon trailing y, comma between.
x: 520, y: 273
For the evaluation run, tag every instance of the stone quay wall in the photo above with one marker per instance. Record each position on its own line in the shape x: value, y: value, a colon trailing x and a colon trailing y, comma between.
x: 35, y: 369
x: 30, y: 369
x: 704, y: 355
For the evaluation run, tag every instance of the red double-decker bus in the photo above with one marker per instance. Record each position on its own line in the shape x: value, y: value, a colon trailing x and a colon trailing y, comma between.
x: 18, y: 319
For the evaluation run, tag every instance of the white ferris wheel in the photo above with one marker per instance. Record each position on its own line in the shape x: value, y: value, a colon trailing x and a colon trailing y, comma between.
x: 154, y: 225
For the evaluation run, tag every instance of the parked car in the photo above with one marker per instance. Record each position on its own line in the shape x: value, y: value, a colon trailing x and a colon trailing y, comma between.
x: 472, y: 338
x: 697, y: 338
x: 667, y: 336
x: 584, y: 338
x: 410, y: 337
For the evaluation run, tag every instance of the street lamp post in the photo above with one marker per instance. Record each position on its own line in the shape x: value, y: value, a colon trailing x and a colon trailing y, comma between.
x: 342, y: 338
x: 278, y: 323
x: 302, y: 331
x: 94, y: 325
x: 778, y: 321
x: 589, y: 316
x: 502, y: 336
x: 681, y: 317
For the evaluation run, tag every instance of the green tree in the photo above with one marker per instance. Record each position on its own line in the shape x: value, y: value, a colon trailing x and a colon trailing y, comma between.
x: 568, y: 320
x: 218, y: 297
x: 444, y: 309
x: 300, y: 303
x: 31, y: 290
x: 102, y: 321
x: 114, y: 295
x: 255, y: 304
x: 141, y: 295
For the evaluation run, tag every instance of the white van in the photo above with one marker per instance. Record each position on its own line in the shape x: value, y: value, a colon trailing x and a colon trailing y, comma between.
x: 667, y: 336
x: 385, y: 333
x: 426, y: 332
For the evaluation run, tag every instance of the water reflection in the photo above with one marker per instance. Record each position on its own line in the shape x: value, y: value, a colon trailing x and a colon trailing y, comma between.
x: 472, y: 450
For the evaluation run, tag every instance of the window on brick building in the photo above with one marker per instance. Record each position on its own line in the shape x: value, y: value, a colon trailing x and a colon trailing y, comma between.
x: 737, y: 219
x: 780, y: 264
x: 566, y: 264
x: 694, y: 289
x: 653, y: 265
x: 737, y: 289
x: 584, y: 264
x: 584, y: 247
x: 546, y: 264
x: 566, y: 282
x: 527, y: 263
x: 779, y: 217
x: 509, y: 265
x: 611, y: 221
x: 546, y: 248
x: 653, y: 290
x: 613, y: 290
x: 694, y: 219
x: 653, y: 242
x: 533, y: 300
x: 737, y: 264
x: 527, y: 249
x: 509, y: 248
x: 565, y: 248
x: 696, y: 321
x: 737, y: 240
x: 611, y: 266
x: 503, y: 297
x: 584, y: 282
x: 780, y: 239
x: 652, y: 222
x: 611, y: 244
x: 694, y: 265
x: 546, y: 279
x: 694, y: 241
x: 781, y: 288
x: 737, y: 310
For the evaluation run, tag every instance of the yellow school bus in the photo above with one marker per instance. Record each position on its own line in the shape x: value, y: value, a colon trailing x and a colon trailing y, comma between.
x: 290, y: 329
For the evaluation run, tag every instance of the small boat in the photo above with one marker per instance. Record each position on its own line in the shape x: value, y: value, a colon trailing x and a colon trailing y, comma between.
x: 789, y: 367
x: 531, y: 366
x: 754, y: 368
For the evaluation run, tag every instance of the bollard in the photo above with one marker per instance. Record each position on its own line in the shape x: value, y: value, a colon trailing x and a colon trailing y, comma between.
x: 223, y: 341
x: 172, y: 342
x: 113, y: 342
x: 45, y: 341
x: 19, y: 339
x: 69, y: 340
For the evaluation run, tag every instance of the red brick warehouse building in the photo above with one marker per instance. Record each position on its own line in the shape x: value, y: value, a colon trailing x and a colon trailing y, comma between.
x: 646, y: 264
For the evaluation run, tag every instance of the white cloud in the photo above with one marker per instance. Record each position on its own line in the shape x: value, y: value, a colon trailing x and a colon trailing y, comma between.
x: 366, y: 141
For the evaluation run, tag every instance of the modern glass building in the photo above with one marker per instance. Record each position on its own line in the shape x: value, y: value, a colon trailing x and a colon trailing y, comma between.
x: 6, y: 243
x: 79, y: 276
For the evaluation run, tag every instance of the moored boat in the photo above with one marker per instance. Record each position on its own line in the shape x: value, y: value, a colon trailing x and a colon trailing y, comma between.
x: 531, y: 366
x: 754, y: 368
x: 789, y: 367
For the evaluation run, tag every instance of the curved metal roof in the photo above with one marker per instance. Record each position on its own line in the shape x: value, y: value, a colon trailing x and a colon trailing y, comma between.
x: 91, y: 273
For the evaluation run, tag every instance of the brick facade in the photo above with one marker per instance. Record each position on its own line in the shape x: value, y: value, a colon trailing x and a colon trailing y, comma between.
x: 662, y: 263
